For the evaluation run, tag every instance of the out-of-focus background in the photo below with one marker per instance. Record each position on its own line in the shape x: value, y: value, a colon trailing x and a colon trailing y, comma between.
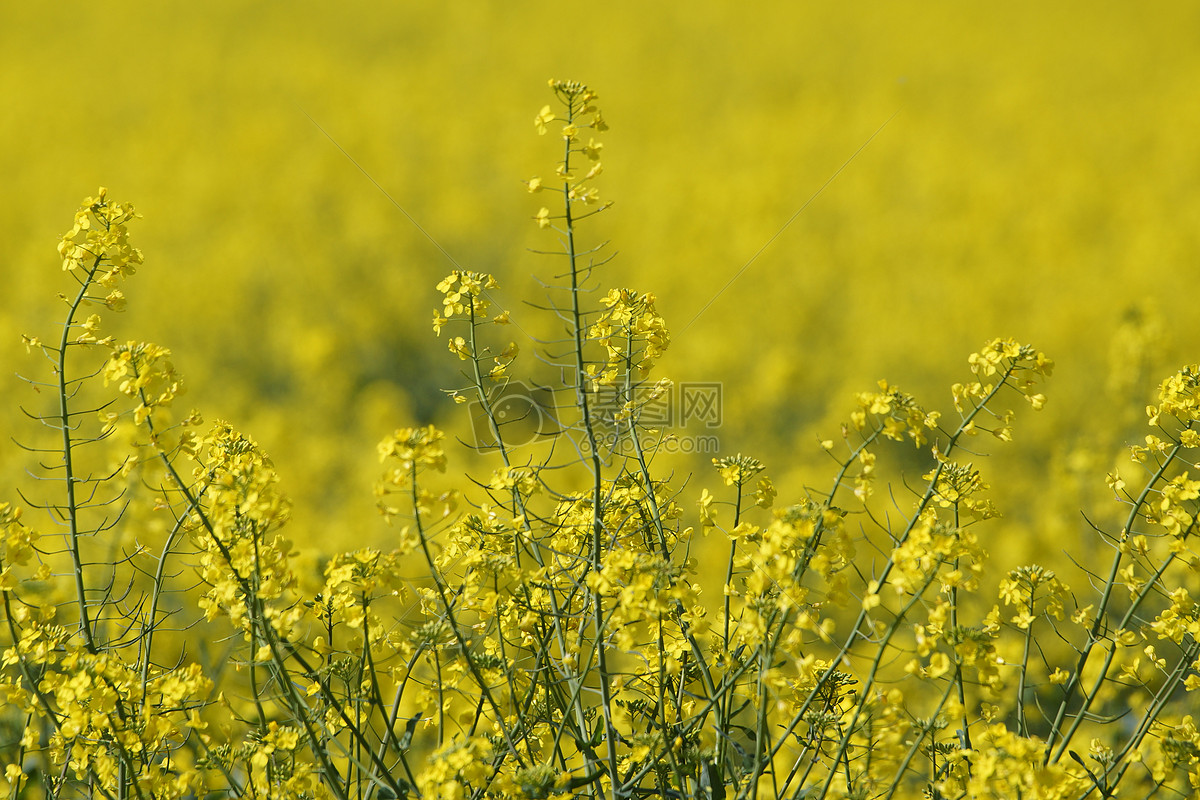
x: 1036, y: 178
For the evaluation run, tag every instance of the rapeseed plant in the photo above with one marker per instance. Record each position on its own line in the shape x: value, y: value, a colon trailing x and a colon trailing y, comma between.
x: 559, y: 636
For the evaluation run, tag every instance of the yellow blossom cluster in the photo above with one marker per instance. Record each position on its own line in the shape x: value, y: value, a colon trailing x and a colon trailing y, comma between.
x: 463, y: 294
x: 144, y: 372
x: 579, y: 114
x: 237, y: 527
x: 958, y: 486
x: 633, y: 334
x: 100, y: 236
x: 930, y: 546
x: 738, y: 470
x: 1003, y: 362
x: 413, y: 450
x: 457, y: 769
x: 19, y: 542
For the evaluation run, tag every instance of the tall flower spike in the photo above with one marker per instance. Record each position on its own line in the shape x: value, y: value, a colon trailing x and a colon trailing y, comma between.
x: 580, y: 115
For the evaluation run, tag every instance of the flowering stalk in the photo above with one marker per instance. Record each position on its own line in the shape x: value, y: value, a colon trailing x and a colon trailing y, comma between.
x: 96, y: 252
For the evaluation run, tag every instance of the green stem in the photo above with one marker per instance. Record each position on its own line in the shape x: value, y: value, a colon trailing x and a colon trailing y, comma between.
x: 68, y: 448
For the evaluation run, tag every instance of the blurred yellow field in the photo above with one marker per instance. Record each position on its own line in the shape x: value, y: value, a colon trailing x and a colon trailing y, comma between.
x: 1035, y: 181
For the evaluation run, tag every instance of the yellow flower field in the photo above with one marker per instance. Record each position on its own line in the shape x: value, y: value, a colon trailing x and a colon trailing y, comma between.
x: 1035, y: 181
x: 782, y: 235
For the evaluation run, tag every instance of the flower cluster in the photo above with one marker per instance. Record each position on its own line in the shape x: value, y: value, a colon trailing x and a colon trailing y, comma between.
x: 19, y: 543
x: 100, y: 235
x: 144, y: 372
x: 237, y: 529
x: 958, y: 486
x: 1018, y: 366
x: 463, y: 294
x: 633, y: 334
x: 579, y: 114
x: 413, y: 450
x: 456, y: 770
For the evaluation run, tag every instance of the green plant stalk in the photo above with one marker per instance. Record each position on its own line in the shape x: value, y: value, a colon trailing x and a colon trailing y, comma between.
x: 668, y: 739
x: 964, y: 732
x: 881, y: 650
x: 1182, y: 667
x: 1094, y: 637
x: 596, y: 468
x: 279, y: 659
x: 930, y: 491
x: 1090, y: 698
x: 34, y: 683
x: 68, y: 448
x: 762, y: 747
x: 922, y: 504
x: 1022, y: 673
x: 916, y: 745
x: 389, y: 735
x: 450, y: 618
x: 151, y: 625
x: 777, y: 624
x: 656, y: 517
x: 520, y: 508
x: 728, y: 683
x: 725, y: 708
